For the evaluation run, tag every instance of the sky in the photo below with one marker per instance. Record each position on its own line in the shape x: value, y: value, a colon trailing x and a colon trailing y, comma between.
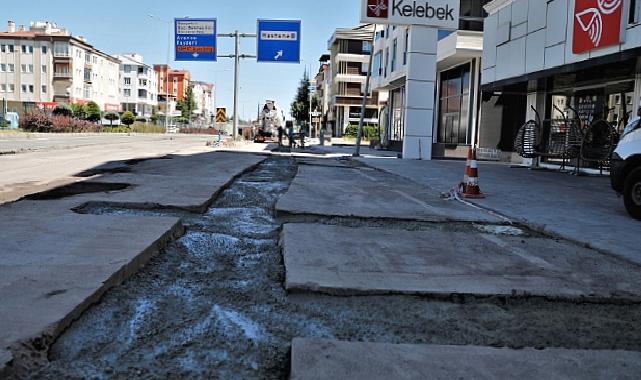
x: 124, y: 26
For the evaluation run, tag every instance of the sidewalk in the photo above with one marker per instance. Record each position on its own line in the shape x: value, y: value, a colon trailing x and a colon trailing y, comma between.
x: 583, y: 209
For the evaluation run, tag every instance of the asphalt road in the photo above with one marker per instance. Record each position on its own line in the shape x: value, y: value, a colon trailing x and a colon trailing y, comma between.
x: 32, y: 163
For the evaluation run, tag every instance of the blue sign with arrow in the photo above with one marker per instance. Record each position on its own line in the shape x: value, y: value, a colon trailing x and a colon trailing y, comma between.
x: 195, y: 39
x: 278, y: 41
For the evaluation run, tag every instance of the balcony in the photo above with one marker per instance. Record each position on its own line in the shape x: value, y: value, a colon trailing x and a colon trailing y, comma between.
x: 62, y: 55
x: 62, y: 75
x: 346, y: 57
x: 351, y: 78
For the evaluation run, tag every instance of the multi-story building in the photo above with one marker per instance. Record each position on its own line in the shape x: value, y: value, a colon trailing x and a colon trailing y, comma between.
x: 46, y: 65
x: 456, y: 88
x: 565, y: 53
x: 203, y: 96
x: 323, y: 87
x: 138, y: 84
x: 349, y: 58
x: 172, y: 86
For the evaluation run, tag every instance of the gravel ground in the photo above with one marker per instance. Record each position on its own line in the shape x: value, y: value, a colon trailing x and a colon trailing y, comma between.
x: 212, y: 305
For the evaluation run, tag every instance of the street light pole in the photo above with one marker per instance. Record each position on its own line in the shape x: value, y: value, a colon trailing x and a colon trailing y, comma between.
x: 167, y: 70
x: 236, y: 81
x: 359, y: 136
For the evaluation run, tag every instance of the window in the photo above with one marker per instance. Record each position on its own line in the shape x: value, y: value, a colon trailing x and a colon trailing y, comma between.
x: 127, y: 81
x: 44, y: 69
x: 407, y: 45
x: 23, y: 68
x: 127, y: 68
x: 12, y: 68
x: 27, y: 49
x: 367, y: 47
x: 3, y: 48
x: 44, y: 89
x: 454, y: 97
x: 24, y: 88
x: 127, y: 92
x: 386, y: 60
x: 3, y: 88
x: 12, y: 88
x: 3, y: 67
x: 635, y: 6
x: 378, y: 59
x: 31, y: 88
x: 395, y: 47
x: 10, y: 47
x: 44, y: 50
x: 27, y: 69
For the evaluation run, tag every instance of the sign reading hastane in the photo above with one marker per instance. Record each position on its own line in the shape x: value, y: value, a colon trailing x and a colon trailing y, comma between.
x: 442, y: 14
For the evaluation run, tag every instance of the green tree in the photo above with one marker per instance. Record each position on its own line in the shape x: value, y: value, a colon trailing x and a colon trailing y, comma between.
x: 93, y: 112
x: 300, y: 105
x: 128, y: 118
x: 79, y: 111
x: 111, y: 116
x: 63, y: 109
x: 187, y: 105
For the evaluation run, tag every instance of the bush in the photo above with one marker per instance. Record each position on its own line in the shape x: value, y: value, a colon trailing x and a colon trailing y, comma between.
x: 370, y: 132
x: 128, y: 118
x: 63, y: 110
x: 37, y: 121
x: 93, y: 112
x: 79, y: 111
x: 141, y: 119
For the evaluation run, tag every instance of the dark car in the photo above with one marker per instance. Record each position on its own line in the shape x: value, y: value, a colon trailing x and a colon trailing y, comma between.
x: 626, y: 171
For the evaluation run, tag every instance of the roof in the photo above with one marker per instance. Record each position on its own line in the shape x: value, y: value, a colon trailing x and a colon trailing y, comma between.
x: 363, y: 33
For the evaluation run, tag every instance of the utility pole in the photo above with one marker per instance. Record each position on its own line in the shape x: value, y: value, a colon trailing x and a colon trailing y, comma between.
x: 237, y: 56
x: 359, y: 136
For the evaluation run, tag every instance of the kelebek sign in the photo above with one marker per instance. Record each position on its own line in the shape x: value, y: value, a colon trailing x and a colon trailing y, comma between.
x: 597, y: 23
x: 442, y: 14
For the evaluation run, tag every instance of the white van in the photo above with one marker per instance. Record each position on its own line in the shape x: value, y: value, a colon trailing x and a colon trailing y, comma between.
x: 625, y: 173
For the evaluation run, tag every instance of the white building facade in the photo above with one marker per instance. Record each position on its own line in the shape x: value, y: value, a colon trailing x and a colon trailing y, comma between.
x: 582, y: 55
x: 138, y: 85
x: 454, y: 83
x: 45, y: 65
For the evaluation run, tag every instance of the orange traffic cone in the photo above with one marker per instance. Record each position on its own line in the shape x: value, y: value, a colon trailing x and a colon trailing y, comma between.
x: 470, y: 186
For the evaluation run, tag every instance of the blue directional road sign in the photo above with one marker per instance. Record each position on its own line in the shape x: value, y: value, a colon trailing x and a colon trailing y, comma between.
x: 195, y: 39
x: 278, y: 41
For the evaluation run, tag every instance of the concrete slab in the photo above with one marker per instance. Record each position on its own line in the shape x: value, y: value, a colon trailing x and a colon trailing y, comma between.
x: 315, y: 359
x: 441, y: 262
x: 583, y: 209
x: 368, y: 193
x: 55, y: 263
x: 185, y: 182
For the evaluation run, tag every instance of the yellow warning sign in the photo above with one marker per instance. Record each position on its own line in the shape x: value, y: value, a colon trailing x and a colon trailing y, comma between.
x: 221, y: 115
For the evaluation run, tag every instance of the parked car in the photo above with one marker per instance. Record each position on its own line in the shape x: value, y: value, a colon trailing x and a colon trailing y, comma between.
x: 626, y: 171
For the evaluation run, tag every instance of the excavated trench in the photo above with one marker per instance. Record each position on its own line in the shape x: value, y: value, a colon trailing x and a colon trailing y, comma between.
x: 213, y: 305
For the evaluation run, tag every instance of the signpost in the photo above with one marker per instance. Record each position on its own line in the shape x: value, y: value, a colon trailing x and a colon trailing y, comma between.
x: 424, y: 18
x: 279, y: 41
x: 196, y: 39
x: 221, y: 115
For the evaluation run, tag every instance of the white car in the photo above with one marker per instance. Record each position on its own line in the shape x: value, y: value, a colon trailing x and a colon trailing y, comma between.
x: 625, y: 173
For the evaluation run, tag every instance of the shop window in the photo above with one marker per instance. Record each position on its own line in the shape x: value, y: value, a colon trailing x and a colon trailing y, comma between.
x: 454, y: 106
x: 633, y: 17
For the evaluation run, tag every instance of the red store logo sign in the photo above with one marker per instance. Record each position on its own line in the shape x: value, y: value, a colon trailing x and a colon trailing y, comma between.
x: 597, y: 23
x: 377, y: 8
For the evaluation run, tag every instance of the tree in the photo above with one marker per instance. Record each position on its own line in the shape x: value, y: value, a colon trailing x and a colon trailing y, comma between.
x: 62, y: 110
x: 111, y: 116
x: 187, y: 105
x: 79, y: 111
x: 128, y: 118
x: 93, y: 112
x: 300, y: 105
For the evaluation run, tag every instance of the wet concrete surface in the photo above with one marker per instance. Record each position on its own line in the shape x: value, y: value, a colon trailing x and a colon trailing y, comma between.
x: 213, y: 305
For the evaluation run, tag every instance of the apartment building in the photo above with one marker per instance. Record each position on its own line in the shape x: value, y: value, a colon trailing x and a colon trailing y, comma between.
x: 203, y: 95
x: 138, y: 84
x: 455, y: 88
x: 46, y: 65
x: 323, y: 87
x: 172, y: 83
x: 349, y: 59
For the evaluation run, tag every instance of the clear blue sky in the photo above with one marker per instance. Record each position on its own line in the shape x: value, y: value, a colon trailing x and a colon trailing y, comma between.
x: 118, y: 26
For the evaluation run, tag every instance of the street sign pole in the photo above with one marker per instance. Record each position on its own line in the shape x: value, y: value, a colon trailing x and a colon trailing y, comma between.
x: 236, y: 81
x: 237, y: 57
x: 359, y: 135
